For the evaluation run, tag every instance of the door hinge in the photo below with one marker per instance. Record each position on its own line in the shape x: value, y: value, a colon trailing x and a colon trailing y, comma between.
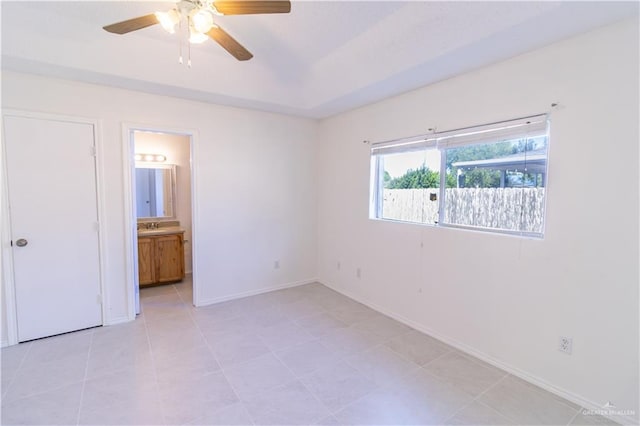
x: 99, y: 299
x: 96, y: 226
x: 92, y: 150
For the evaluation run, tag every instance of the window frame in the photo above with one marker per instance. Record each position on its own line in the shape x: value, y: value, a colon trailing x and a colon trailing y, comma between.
x: 525, y: 128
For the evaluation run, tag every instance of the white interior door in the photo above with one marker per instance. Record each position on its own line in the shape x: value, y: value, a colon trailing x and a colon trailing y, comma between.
x: 51, y: 175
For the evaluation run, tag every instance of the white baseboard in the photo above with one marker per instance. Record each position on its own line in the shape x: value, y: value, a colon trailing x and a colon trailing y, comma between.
x: 515, y: 371
x: 118, y: 320
x: 215, y: 300
x: 4, y: 343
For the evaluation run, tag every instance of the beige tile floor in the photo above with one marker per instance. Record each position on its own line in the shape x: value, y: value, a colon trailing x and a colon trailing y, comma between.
x: 305, y: 355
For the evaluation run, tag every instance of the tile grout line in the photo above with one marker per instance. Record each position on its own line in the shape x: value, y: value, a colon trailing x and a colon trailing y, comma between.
x: 39, y: 392
x: 574, y: 416
x: 222, y: 369
x: 84, y: 379
x: 343, y: 359
x: 540, y: 391
x: 479, y: 362
x: 496, y: 411
x: 376, y: 386
x: 339, y: 359
x: 297, y: 379
x: 477, y: 398
x: 432, y: 360
x: 13, y: 379
x: 406, y: 358
x: 324, y: 310
x: 153, y: 363
x: 293, y: 321
x: 474, y: 399
x: 492, y: 386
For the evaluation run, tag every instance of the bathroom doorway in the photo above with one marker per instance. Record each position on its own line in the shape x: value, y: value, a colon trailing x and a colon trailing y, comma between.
x: 159, y: 176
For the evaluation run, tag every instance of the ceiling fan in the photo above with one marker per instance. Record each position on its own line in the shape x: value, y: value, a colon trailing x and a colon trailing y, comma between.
x: 198, y: 16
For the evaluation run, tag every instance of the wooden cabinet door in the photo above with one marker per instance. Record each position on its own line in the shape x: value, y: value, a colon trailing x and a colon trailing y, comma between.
x: 146, y: 261
x: 169, y: 258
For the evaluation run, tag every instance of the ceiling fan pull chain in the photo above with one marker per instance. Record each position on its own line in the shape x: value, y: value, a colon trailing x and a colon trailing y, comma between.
x: 188, y: 41
x: 180, y: 42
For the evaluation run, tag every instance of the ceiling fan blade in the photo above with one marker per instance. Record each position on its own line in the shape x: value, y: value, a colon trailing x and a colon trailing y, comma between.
x: 132, y: 24
x: 229, y: 43
x: 246, y: 7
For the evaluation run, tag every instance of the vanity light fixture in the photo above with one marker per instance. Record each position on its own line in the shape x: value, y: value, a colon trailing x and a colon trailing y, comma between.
x: 150, y: 158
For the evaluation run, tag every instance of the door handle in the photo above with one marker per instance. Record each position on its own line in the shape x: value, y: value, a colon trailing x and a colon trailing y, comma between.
x: 22, y: 242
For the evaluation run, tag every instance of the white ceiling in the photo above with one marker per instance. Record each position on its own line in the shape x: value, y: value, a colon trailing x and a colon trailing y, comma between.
x: 323, y: 58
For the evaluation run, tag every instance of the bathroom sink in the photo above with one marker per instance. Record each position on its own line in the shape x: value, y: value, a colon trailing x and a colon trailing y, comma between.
x: 160, y: 231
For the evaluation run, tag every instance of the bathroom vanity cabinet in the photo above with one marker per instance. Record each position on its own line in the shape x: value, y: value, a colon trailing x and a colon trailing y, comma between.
x: 160, y: 257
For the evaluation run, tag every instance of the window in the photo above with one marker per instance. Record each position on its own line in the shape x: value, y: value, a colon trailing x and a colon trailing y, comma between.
x: 490, y: 177
x: 409, y: 187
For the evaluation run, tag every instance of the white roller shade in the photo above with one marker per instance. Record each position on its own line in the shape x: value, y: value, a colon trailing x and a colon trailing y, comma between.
x: 526, y: 127
x: 416, y: 143
x: 507, y: 130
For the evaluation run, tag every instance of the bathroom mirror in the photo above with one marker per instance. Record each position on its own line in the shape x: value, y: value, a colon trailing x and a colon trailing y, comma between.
x: 155, y: 191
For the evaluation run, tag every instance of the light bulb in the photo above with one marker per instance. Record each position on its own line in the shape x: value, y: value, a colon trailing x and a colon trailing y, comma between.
x: 168, y: 20
x: 197, y: 37
x: 138, y: 157
x: 160, y: 158
x: 148, y: 157
x: 201, y: 20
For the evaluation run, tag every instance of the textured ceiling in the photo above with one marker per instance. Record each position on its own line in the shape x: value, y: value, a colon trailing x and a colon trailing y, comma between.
x: 323, y: 58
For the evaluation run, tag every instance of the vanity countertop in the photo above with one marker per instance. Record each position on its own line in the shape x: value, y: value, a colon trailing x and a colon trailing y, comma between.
x: 167, y: 230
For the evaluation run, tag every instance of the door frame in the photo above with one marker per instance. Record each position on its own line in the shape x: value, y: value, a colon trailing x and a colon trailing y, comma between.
x: 8, y: 277
x: 130, y: 221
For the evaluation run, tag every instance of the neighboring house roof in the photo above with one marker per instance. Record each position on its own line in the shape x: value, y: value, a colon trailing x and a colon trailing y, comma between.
x: 533, y: 161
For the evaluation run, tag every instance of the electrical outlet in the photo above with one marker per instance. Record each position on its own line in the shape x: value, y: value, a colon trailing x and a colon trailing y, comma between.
x: 565, y: 344
x: 276, y: 264
x: 358, y: 272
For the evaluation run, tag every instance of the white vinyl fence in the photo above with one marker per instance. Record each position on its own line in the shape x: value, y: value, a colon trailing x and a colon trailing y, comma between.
x: 518, y: 209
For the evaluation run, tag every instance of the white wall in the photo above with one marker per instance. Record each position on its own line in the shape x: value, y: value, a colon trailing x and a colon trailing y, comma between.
x: 177, y: 150
x: 254, y: 172
x: 509, y: 299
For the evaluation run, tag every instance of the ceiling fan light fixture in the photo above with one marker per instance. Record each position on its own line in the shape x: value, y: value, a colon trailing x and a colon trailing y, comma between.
x: 196, y: 37
x: 168, y: 20
x: 201, y: 20
x: 195, y: 20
